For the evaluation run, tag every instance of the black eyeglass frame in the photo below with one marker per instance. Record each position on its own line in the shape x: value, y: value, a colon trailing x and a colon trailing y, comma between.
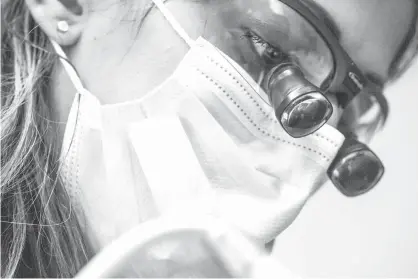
x: 346, y: 82
x: 347, y: 79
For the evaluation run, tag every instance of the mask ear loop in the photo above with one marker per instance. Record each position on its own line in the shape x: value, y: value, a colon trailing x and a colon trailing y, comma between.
x: 78, y: 85
x: 72, y: 73
x: 174, y: 23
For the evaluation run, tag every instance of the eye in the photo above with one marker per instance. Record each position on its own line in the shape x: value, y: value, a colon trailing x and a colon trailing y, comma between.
x: 267, y: 52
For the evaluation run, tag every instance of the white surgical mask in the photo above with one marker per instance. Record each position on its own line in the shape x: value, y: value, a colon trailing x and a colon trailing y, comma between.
x: 202, y: 141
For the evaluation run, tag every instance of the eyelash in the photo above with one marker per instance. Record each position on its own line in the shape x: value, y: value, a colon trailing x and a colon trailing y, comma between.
x: 272, y: 52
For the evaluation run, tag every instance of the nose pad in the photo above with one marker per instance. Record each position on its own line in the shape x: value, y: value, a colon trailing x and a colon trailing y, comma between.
x: 300, y: 106
x: 356, y: 169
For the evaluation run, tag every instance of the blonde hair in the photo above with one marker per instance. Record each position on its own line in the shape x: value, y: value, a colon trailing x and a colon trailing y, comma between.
x: 40, y: 235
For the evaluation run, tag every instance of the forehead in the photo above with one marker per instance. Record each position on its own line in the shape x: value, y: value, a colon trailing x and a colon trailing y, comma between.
x: 371, y: 30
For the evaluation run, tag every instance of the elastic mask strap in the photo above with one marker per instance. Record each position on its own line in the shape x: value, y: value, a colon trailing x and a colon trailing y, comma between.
x: 173, y: 22
x: 69, y: 68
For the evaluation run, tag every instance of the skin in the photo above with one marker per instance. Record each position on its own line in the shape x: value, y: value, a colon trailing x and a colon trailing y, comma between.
x: 117, y: 62
x: 110, y: 44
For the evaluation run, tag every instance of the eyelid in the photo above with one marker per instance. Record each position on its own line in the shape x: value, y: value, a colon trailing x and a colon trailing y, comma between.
x: 257, y: 39
x: 262, y: 41
x: 287, y: 50
x: 266, y: 51
x: 253, y: 36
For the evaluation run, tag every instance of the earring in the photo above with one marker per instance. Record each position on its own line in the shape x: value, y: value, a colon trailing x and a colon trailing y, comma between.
x: 63, y: 26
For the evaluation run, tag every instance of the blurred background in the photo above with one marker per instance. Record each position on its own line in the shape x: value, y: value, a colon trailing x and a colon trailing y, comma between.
x: 375, y: 235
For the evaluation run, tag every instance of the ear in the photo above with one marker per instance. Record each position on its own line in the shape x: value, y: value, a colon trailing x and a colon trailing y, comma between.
x: 50, y: 13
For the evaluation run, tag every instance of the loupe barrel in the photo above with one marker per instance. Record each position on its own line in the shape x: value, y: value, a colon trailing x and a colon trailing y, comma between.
x: 356, y: 169
x: 300, y: 107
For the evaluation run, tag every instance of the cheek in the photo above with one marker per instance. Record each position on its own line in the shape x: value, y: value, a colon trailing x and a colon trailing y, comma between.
x: 118, y: 63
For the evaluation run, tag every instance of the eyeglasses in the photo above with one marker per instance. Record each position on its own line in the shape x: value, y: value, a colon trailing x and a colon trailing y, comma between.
x: 344, y: 78
x: 356, y: 169
x: 292, y: 53
x: 292, y: 49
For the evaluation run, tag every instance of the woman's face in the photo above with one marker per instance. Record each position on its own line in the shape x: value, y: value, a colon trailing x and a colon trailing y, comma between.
x: 120, y: 61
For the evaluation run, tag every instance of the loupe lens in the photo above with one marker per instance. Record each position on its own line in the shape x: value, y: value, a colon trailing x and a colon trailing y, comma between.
x: 299, y: 105
x: 305, y: 114
x: 356, y: 171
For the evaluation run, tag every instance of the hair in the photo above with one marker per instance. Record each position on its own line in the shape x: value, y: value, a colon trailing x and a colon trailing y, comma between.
x: 40, y: 234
